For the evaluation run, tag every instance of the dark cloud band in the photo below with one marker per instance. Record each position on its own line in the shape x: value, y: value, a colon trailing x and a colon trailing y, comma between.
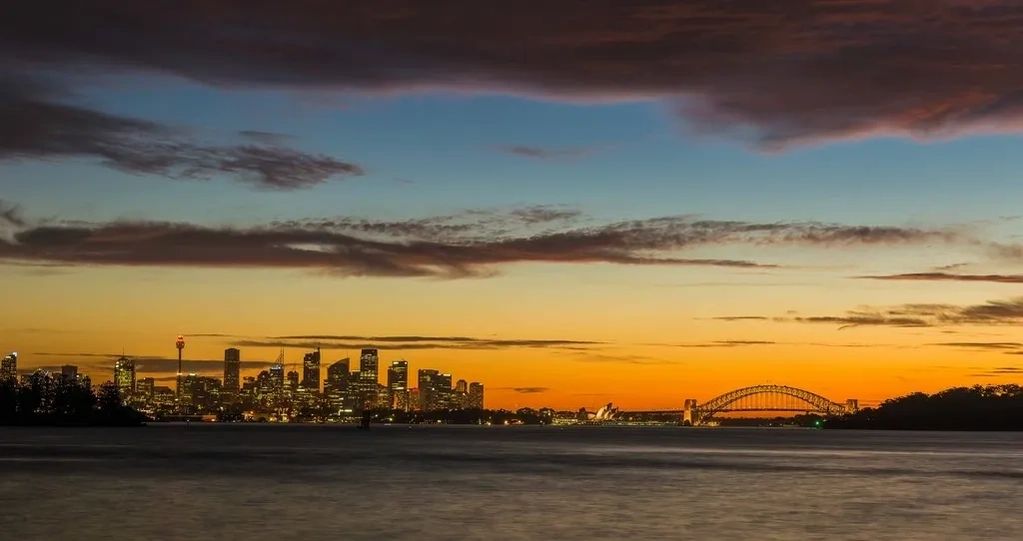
x: 429, y: 247
x: 774, y: 72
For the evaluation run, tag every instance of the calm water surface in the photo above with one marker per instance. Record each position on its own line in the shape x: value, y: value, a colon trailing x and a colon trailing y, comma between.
x: 319, y: 482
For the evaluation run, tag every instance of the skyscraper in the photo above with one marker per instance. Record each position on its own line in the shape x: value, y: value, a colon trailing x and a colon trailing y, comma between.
x: 124, y: 377
x: 9, y: 367
x: 460, y: 395
x: 368, y: 378
x: 144, y: 389
x: 337, y: 376
x: 368, y: 365
x: 69, y: 372
x: 434, y: 389
x: 475, y: 395
x: 311, y: 371
x: 232, y: 371
x: 276, y: 381
x: 335, y: 387
x: 397, y: 383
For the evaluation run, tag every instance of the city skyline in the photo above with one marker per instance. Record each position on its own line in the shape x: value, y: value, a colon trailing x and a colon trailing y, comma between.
x: 651, y: 202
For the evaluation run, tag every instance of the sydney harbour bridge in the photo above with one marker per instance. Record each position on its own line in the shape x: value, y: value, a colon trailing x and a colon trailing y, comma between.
x: 758, y: 398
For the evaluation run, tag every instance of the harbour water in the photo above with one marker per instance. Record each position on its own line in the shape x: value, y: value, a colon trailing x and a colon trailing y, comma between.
x: 256, y: 482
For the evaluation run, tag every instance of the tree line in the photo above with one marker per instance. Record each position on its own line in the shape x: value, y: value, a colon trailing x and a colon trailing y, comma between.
x: 51, y: 399
x: 990, y: 407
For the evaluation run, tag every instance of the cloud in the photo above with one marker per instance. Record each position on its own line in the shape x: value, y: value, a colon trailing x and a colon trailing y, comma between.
x: 32, y: 126
x: 401, y: 343
x: 999, y: 371
x: 543, y: 153
x: 741, y: 318
x: 774, y: 73
x: 981, y: 345
x: 473, y: 244
x: 725, y: 344
x: 945, y: 276
x: 11, y: 214
x: 526, y: 390
x: 1002, y: 312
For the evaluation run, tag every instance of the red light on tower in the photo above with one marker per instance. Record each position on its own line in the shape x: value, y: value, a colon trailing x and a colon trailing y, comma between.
x: 180, y: 343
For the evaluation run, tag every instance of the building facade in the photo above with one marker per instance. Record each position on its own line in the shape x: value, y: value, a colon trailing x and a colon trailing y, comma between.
x: 9, y: 368
x: 232, y: 372
x: 311, y: 371
x: 124, y: 377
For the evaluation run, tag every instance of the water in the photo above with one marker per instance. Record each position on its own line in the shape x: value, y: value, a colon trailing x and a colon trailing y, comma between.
x: 318, y: 482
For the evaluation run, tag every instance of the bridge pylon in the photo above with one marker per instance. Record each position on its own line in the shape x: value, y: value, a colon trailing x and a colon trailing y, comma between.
x: 689, y: 412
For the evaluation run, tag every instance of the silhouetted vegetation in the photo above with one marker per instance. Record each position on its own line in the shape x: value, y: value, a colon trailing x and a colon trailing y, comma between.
x: 45, y: 399
x: 992, y: 407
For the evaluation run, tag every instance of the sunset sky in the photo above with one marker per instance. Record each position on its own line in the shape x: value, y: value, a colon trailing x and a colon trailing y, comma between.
x: 570, y: 202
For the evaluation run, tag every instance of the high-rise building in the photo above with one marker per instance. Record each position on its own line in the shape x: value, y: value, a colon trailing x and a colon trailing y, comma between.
x: 335, y: 387
x: 368, y: 362
x: 232, y: 371
x: 337, y: 376
x: 311, y: 371
x: 202, y: 393
x: 368, y: 378
x: 475, y: 395
x: 435, y: 390
x: 144, y: 389
x: 275, y: 382
x: 9, y: 368
x: 124, y: 377
x: 460, y: 395
x: 445, y: 395
x: 397, y: 383
x: 69, y: 372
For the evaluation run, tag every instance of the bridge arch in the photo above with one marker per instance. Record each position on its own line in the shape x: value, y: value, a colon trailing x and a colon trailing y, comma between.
x: 699, y: 414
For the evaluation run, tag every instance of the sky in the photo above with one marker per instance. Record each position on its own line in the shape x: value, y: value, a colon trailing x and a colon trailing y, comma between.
x: 571, y: 202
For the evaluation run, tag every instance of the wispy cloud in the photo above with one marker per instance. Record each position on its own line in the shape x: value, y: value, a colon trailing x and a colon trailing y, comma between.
x: 981, y: 345
x: 33, y: 126
x: 436, y: 247
x: 523, y: 390
x: 400, y: 343
x: 945, y: 276
x: 995, y: 312
x: 544, y: 153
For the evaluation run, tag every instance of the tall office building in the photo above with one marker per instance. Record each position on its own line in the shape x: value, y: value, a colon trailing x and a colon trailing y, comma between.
x: 144, y: 389
x: 335, y: 386
x: 434, y: 390
x: 232, y: 371
x: 275, y: 379
x: 311, y: 371
x: 202, y: 393
x: 293, y: 384
x: 124, y: 377
x: 9, y: 367
x: 69, y: 372
x: 475, y: 395
x: 397, y: 383
x: 460, y: 395
x: 368, y: 378
x: 368, y: 362
x: 337, y: 376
